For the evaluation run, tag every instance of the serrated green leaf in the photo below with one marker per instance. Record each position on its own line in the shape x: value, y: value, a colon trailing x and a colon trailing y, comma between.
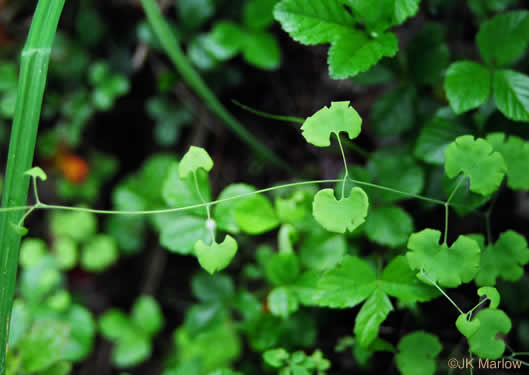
x: 399, y: 281
x: 447, y: 266
x: 390, y: 226
x: 147, y: 315
x: 393, y: 113
x: 216, y: 256
x: 468, y: 85
x: 511, y: 93
x: 194, y: 159
x: 346, y: 285
x: 37, y: 172
x: 340, y: 215
x: 476, y: 159
x: 435, y: 137
x: 372, y: 314
x: 515, y: 152
x: 417, y: 353
x: 492, y: 294
x: 504, y: 38
x: 355, y: 52
x: 504, y: 259
x: 255, y: 215
x: 319, y: 22
x: 485, y: 343
x: 467, y: 327
x: 339, y: 117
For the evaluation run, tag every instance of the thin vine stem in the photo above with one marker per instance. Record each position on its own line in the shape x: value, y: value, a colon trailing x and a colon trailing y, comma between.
x: 442, y: 291
x: 346, y: 174
x: 447, y: 209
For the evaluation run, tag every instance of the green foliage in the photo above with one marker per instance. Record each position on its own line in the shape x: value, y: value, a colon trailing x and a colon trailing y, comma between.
x: 484, y: 342
x: 132, y: 335
x: 417, y: 353
x: 217, y: 256
x: 341, y: 215
x: 296, y: 363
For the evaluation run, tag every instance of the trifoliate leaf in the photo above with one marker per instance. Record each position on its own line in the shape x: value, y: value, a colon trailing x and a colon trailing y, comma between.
x: 147, y: 315
x: 224, y: 212
x: 393, y: 113
x: 511, y: 93
x: 282, y: 302
x: 476, y: 159
x: 504, y: 38
x: 468, y: 85
x: 356, y: 52
x: 515, y: 152
x: 37, y: 172
x: 319, y: 21
x: 417, y: 353
x: 447, y: 266
x: 99, y: 253
x: 346, y: 285
x: 492, y: 294
x: 389, y: 226
x: 340, y: 215
x: 372, y: 314
x: 485, y: 343
x: 399, y: 281
x: 255, y: 215
x: 435, y: 137
x: 340, y: 117
x: 195, y: 158
x: 217, y: 256
x: 504, y: 259
x: 467, y: 327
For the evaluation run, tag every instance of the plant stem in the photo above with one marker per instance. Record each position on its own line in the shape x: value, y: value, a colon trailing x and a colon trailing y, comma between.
x: 32, y: 81
x: 171, y: 46
x: 442, y: 292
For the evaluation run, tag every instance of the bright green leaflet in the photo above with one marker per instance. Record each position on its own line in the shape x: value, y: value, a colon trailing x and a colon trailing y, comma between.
x: 282, y: 302
x: 373, y: 312
x: 342, y: 215
x: 146, y: 313
x: 468, y: 85
x: 255, y: 215
x: 44, y: 346
x: 504, y: 38
x: 504, y: 259
x: 322, y: 250
x: 467, y: 327
x: 417, y: 353
x: 259, y: 14
x: 37, y: 172
x: 485, y: 342
x: 216, y: 256
x: 476, y: 159
x: 194, y: 159
x: 515, y: 152
x: 339, y: 117
x: 224, y: 212
x: 390, y: 226
x: 492, y: 294
x: 99, y: 253
x: 448, y: 266
x: 511, y: 93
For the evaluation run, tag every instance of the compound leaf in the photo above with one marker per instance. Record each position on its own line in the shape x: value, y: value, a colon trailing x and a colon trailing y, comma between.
x: 515, y: 152
x: 216, y: 257
x: 485, y: 342
x: 340, y: 117
x: 511, y: 93
x: 194, y: 159
x: 448, y: 266
x: 346, y: 285
x: 340, y: 215
x: 504, y: 259
x: 476, y: 159
x: 372, y: 314
x: 417, y: 353
x: 467, y: 85
x: 356, y: 52
x: 504, y: 38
